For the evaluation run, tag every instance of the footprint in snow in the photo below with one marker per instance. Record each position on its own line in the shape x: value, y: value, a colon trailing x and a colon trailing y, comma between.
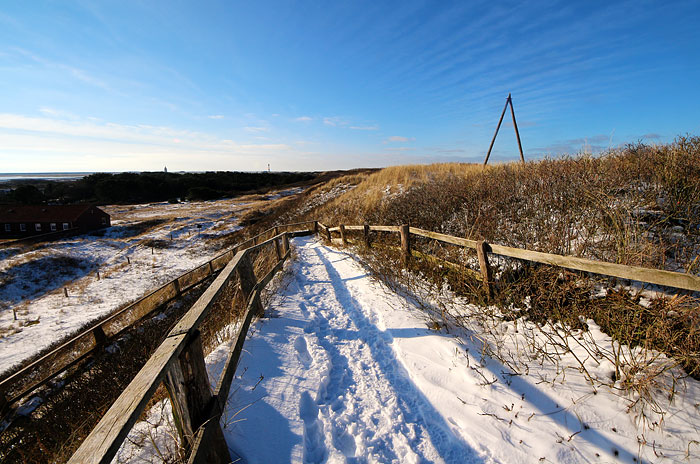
x: 302, y: 351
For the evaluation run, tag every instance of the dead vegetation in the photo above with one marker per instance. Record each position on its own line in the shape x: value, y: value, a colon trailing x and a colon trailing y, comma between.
x: 639, y: 205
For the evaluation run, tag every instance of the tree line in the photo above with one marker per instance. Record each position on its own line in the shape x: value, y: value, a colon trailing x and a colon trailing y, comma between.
x: 128, y: 187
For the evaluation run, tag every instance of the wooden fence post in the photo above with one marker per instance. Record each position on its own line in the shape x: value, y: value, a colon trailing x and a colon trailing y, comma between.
x: 188, y: 386
x: 366, y: 235
x: 343, y: 239
x: 285, y: 243
x: 405, y: 243
x: 482, y: 249
x: 277, y: 249
x: 247, y: 279
x: 315, y: 227
x: 328, y: 235
x: 3, y: 402
x: 276, y: 231
x: 99, y: 334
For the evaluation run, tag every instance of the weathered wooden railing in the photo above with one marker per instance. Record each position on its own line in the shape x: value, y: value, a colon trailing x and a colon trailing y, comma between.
x: 483, y: 249
x: 179, y: 363
x: 94, y: 337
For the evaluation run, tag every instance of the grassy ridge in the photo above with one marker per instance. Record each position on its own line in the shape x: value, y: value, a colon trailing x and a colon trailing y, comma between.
x: 639, y: 205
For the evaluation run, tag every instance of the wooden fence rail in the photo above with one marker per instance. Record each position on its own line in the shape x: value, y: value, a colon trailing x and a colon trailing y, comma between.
x: 641, y: 274
x: 92, y: 338
x: 179, y: 362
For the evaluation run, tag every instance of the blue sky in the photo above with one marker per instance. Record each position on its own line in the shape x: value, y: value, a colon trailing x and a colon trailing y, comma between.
x: 233, y: 85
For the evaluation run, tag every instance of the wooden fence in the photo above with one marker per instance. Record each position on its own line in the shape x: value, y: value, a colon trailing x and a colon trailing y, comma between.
x: 93, y: 338
x: 484, y: 249
x: 179, y: 360
x: 179, y: 363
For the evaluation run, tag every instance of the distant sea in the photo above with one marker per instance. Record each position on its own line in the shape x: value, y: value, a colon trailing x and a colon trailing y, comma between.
x: 10, y: 176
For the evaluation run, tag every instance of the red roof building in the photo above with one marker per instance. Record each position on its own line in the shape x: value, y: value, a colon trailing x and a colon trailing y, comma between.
x: 24, y: 221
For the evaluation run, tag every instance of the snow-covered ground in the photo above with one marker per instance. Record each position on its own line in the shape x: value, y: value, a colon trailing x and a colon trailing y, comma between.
x: 344, y: 370
x: 160, y: 240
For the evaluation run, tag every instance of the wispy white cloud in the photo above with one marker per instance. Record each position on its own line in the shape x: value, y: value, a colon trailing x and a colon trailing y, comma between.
x: 55, y: 113
x: 59, y: 144
x: 399, y: 149
x: 365, y: 128
x: 216, y: 116
x: 255, y: 129
x: 334, y: 121
x: 304, y: 119
x: 398, y: 138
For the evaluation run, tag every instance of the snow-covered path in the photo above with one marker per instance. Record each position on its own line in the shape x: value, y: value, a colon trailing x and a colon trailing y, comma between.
x: 324, y: 382
x: 344, y: 370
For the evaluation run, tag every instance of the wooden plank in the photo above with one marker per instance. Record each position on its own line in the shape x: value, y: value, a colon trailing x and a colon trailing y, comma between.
x: 384, y: 228
x: 106, y: 438
x: 203, y: 305
x: 355, y: 228
x: 641, y: 274
x: 224, y: 382
x: 334, y: 229
x: 444, y: 238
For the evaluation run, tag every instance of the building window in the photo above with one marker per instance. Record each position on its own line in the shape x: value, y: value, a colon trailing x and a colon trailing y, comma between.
x: 104, y: 221
x: 23, y: 227
x: 37, y: 227
x: 66, y: 226
x: 8, y: 228
x: 53, y: 227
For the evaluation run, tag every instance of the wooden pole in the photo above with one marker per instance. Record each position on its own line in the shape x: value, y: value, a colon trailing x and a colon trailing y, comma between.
x: 188, y: 386
x: 3, y: 402
x: 285, y: 243
x: 515, y: 125
x: 493, y: 140
x: 315, y: 227
x: 342, y: 235
x: 328, y: 235
x: 366, y: 235
x: 405, y: 243
x: 277, y: 249
x: 247, y: 280
x: 100, y: 336
x: 482, y: 249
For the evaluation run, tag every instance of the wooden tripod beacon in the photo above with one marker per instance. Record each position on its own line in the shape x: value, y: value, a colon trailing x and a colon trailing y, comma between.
x: 509, y: 100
